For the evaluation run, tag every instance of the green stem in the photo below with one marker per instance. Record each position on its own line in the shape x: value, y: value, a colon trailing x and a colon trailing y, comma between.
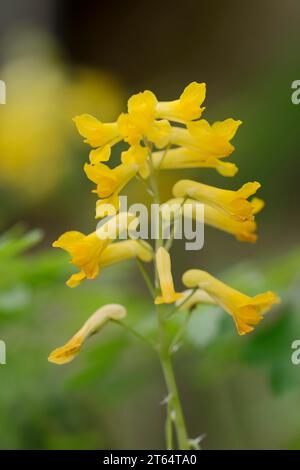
x: 175, y: 415
x: 135, y: 333
x: 146, y: 278
x: 174, y: 409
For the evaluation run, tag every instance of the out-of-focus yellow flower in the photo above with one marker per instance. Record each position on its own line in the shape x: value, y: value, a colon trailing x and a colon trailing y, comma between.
x: 234, y: 203
x: 187, y: 107
x: 96, y: 322
x: 246, y: 311
x: 243, y: 230
x: 35, y: 128
x: 212, y: 140
x: 86, y: 250
x: 163, y: 264
x: 182, y: 157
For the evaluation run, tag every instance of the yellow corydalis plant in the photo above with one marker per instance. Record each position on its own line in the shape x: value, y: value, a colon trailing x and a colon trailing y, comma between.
x: 163, y: 135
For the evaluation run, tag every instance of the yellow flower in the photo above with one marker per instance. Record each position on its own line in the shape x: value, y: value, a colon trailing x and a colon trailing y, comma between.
x: 183, y: 157
x: 137, y: 155
x: 234, y: 203
x: 95, y: 132
x: 110, y: 181
x: 211, y: 140
x: 86, y: 250
x: 246, y: 311
x: 187, y: 107
x: 141, y: 107
x: 72, y: 348
x: 243, y: 230
x: 163, y: 265
x: 140, y: 123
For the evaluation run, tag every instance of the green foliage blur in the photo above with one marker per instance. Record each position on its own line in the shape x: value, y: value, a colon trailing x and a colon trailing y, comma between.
x: 238, y: 392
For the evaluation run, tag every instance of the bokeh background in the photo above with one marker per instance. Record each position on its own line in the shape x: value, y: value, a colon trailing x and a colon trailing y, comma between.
x: 62, y: 58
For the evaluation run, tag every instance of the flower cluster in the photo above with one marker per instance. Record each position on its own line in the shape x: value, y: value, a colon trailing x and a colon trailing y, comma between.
x: 166, y: 135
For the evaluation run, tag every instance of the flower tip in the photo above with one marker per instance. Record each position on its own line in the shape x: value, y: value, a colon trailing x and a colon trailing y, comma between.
x: 66, y: 353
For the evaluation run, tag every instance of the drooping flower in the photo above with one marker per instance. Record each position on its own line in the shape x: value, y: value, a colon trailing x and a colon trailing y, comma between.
x: 163, y: 264
x: 183, y: 157
x: 246, y: 311
x: 187, y: 107
x: 96, y: 322
x: 87, y: 250
x: 233, y: 203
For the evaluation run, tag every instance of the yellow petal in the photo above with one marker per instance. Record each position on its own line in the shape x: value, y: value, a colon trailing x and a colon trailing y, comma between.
x: 234, y: 203
x: 95, y: 132
x: 159, y: 133
x: 243, y: 230
x: 124, y: 250
x: 187, y: 107
x: 103, y: 176
x: 212, y: 140
x: 183, y: 157
x: 101, y: 154
x: 257, y: 204
x: 163, y: 265
x: 72, y: 348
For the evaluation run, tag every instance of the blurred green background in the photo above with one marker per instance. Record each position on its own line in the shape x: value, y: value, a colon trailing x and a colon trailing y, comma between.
x: 62, y: 58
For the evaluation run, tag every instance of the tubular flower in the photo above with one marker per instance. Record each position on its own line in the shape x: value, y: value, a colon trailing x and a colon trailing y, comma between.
x: 183, y: 157
x: 243, y: 230
x: 96, y: 322
x: 212, y: 140
x: 140, y: 121
x: 109, y: 182
x: 86, y: 250
x: 187, y: 107
x: 246, y: 311
x: 163, y: 264
x: 234, y: 203
x: 97, y: 134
